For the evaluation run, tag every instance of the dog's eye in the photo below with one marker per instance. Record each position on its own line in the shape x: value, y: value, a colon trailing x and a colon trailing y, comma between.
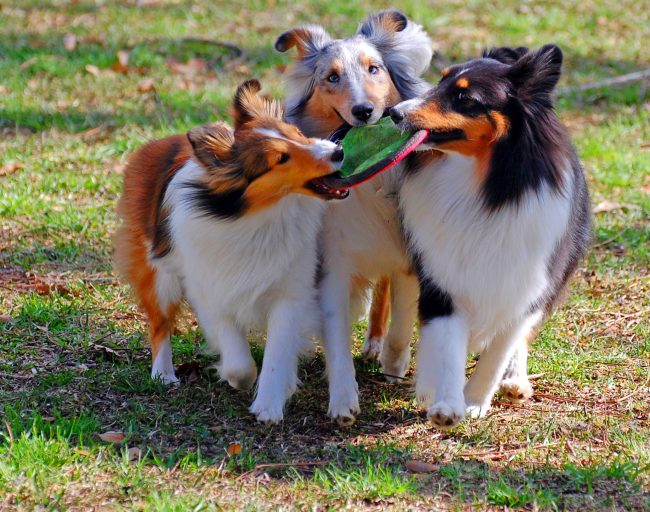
x: 333, y: 78
x: 373, y: 70
x: 284, y: 157
x: 465, y: 100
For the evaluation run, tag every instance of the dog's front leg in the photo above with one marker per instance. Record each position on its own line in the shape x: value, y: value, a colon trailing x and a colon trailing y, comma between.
x: 492, y: 364
x: 396, y: 351
x: 236, y: 365
x: 335, y: 305
x: 279, y: 377
x: 441, y: 359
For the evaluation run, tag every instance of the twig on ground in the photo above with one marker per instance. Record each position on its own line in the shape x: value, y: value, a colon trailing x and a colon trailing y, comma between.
x: 15, y: 376
x: 617, y: 81
x: 280, y: 465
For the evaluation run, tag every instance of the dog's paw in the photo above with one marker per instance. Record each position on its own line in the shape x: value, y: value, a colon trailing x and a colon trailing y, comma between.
x: 167, y: 378
x: 446, y: 415
x: 477, y: 410
x: 271, y: 413
x: 395, y: 365
x: 371, y: 348
x: 242, y: 379
x: 344, y: 405
x: 516, y: 391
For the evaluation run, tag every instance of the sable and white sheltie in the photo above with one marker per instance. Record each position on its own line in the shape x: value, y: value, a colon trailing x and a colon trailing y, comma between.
x: 354, y: 80
x: 229, y: 219
x: 496, y: 220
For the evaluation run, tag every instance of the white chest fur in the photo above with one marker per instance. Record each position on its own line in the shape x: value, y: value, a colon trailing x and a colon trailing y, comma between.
x: 241, y: 266
x: 493, y: 265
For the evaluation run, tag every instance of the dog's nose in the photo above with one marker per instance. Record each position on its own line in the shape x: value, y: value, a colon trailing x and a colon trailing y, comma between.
x: 363, y: 111
x: 337, y: 156
x: 396, y: 115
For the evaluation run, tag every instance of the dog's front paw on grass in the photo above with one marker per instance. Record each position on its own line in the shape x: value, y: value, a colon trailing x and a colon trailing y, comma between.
x: 516, y: 391
x: 271, y: 414
x: 371, y: 349
x: 344, y: 407
x: 446, y: 416
x: 477, y: 410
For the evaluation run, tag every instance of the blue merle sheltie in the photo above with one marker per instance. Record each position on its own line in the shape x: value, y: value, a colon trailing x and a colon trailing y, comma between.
x: 496, y: 213
x: 353, y: 81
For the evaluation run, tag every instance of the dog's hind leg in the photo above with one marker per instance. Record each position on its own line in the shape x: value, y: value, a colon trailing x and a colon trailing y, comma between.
x: 377, y: 320
x: 161, y: 311
x: 515, y: 385
x: 159, y: 294
x: 493, y: 361
x: 396, y: 351
x: 334, y: 295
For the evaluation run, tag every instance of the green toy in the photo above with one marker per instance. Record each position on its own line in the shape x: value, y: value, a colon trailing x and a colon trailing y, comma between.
x: 371, y: 149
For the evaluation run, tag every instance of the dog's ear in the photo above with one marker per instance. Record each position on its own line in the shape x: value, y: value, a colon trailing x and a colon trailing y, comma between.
x: 212, y: 144
x: 405, y: 47
x: 308, y: 39
x: 537, y: 72
x: 505, y: 54
x: 248, y: 104
x: 383, y: 22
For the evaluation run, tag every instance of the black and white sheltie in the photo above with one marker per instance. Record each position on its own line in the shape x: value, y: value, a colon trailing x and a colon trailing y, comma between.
x: 496, y: 217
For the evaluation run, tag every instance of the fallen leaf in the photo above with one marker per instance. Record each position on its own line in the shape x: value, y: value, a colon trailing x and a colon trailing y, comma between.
x: 134, y: 454
x: 419, y: 466
x: 5, y: 319
x: 122, y: 64
x: 9, y: 169
x: 234, y: 449
x: 81, y: 452
x: 610, y: 206
x: 606, y: 206
x: 112, y: 437
x: 70, y: 42
x: 190, y: 68
x: 119, y: 168
x: 146, y: 85
x: 92, y: 69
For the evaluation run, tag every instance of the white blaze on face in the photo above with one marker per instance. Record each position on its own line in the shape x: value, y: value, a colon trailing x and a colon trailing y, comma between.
x: 323, y: 149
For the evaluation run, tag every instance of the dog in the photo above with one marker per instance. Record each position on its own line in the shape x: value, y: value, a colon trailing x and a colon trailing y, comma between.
x: 229, y: 219
x: 353, y: 81
x: 496, y: 217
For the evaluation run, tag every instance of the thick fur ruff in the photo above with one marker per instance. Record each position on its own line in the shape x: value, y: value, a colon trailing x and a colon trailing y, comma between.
x: 229, y: 219
x: 361, y: 242
x: 496, y: 222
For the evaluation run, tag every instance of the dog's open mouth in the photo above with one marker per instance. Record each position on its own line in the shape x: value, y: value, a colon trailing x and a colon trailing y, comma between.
x: 320, y: 186
x: 440, y: 137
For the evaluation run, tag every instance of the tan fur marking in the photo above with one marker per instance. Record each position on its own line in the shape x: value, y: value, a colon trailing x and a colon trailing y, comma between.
x: 144, y: 180
x: 462, y: 83
x: 480, y: 133
x: 445, y: 72
x: 380, y: 309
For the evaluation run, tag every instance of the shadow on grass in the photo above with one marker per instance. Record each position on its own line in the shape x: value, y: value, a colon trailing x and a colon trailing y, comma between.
x: 85, y: 383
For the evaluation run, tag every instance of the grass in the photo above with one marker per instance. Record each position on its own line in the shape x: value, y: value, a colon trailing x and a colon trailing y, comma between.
x: 73, y: 358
